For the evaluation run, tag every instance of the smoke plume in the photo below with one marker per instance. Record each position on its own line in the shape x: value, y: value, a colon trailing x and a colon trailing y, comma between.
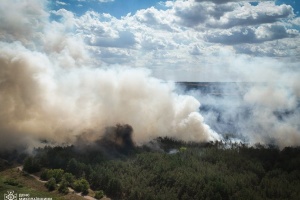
x: 265, y: 109
x: 51, y: 90
x: 41, y: 102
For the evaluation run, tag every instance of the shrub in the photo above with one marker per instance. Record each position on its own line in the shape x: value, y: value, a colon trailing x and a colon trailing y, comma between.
x: 57, y: 174
x: 68, y: 178
x: 63, y: 187
x: 99, y: 194
x: 81, y: 185
x: 51, y: 184
x: 12, y: 182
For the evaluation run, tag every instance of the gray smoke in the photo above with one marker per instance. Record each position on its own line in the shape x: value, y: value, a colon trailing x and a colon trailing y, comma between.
x: 265, y: 111
x: 52, y: 90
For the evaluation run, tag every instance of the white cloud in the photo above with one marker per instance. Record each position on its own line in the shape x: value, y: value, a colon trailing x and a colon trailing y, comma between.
x: 296, y: 21
x: 246, y: 14
x: 173, y: 39
x: 288, y: 47
x: 258, y: 34
x: 227, y: 1
x: 105, y: 1
x: 61, y: 3
x: 210, y: 15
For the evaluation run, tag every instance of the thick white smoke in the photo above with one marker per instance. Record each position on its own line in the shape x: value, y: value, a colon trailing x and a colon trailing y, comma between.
x: 265, y: 109
x: 50, y: 90
x: 275, y: 111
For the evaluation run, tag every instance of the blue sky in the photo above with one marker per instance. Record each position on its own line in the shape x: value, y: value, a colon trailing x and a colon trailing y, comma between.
x: 294, y: 3
x: 167, y: 35
x: 182, y: 40
x: 117, y: 8
x: 120, y: 8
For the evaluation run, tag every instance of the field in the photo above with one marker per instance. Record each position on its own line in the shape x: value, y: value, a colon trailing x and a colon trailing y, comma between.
x: 22, y: 183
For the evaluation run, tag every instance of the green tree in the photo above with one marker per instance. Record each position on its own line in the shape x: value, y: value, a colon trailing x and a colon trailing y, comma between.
x: 45, y: 175
x: 81, y: 185
x: 77, y: 168
x: 31, y: 165
x: 51, y: 184
x: 99, y: 194
x: 68, y: 178
x: 63, y: 187
x: 114, y: 188
x: 57, y: 174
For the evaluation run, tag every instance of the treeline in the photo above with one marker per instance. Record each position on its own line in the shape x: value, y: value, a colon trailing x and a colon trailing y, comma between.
x: 190, y: 171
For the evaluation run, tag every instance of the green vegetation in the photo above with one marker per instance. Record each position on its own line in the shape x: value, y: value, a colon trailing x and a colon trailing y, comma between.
x: 57, y: 174
x: 63, y: 187
x: 51, y: 184
x: 99, y: 194
x: 15, y: 180
x: 195, y: 171
x: 31, y: 165
x: 81, y: 185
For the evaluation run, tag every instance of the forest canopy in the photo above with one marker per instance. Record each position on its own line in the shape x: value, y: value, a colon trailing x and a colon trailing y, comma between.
x: 171, y: 169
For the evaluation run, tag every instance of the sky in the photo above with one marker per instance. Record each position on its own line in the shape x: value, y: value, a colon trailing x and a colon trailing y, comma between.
x: 187, y: 40
x: 118, y: 8
x: 179, y: 40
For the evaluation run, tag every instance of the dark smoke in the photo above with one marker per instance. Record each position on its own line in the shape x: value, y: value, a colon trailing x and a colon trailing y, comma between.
x: 117, y: 139
x: 114, y: 142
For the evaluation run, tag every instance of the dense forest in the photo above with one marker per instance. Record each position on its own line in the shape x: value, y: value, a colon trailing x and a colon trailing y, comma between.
x: 165, y: 169
x: 169, y: 169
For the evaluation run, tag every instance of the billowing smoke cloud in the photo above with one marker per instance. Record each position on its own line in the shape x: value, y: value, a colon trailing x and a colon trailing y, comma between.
x: 275, y: 111
x: 39, y: 101
x: 265, y: 110
x: 50, y: 91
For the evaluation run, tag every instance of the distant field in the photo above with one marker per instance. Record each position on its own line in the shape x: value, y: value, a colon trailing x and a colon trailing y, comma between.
x: 20, y: 183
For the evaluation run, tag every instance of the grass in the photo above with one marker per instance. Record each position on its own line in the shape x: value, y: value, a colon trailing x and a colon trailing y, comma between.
x: 21, y: 183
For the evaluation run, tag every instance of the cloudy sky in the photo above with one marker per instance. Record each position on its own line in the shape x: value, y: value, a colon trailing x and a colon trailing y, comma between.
x: 189, y: 40
x: 60, y: 58
x: 182, y: 40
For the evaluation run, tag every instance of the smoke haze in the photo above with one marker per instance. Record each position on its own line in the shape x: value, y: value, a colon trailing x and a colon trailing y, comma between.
x: 265, y: 113
x: 52, y: 88
x: 40, y: 101
x: 49, y: 91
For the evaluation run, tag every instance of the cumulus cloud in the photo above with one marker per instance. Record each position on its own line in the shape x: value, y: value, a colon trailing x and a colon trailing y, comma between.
x: 193, y: 14
x: 226, y: 1
x: 158, y: 37
x: 125, y: 39
x: 251, y: 34
x: 105, y: 1
x: 230, y: 15
x: 61, y: 3
x: 246, y: 14
x: 283, y: 48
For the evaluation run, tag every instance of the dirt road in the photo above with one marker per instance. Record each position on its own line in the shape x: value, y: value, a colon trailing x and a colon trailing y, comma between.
x: 20, y: 168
